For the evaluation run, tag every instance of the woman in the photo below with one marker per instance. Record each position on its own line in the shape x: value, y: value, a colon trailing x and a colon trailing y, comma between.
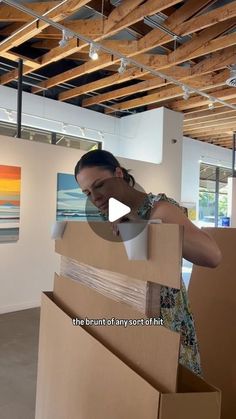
x: 101, y: 177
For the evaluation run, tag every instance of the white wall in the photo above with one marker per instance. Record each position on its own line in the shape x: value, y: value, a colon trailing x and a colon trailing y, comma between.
x: 167, y: 125
x: 193, y: 152
x: 135, y: 136
x: 145, y: 136
x: 27, y: 266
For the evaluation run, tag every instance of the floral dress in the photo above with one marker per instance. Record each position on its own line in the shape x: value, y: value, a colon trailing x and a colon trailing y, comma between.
x: 175, y: 309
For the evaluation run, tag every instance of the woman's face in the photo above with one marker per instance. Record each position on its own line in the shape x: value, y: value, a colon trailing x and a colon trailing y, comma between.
x: 101, y: 184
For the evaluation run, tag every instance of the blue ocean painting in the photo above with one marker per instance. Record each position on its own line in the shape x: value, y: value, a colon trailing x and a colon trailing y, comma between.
x: 72, y: 203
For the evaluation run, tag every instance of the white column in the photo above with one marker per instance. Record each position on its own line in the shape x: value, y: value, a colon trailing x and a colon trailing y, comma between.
x: 232, y: 200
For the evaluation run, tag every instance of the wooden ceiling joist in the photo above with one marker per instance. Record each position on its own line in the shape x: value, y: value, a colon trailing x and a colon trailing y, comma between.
x: 9, y: 14
x: 151, y: 5
x: 216, y: 61
x: 224, y: 94
x: 163, y: 62
x: 212, y: 123
x: 29, y: 30
x: 204, y: 82
x: 207, y: 115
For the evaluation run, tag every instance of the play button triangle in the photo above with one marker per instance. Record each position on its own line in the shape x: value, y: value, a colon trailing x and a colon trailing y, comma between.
x: 117, y: 210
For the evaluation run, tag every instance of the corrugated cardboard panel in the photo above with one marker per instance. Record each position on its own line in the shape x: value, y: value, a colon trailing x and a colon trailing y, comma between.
x: 78, y: 378
x: 152, y: 351
x: 190, y: 406
x: 195, y: 399
x: 79, y: 242
x: 212, y: 295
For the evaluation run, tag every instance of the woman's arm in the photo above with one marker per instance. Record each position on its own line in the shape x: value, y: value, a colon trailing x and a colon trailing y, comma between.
x: 198, y: 247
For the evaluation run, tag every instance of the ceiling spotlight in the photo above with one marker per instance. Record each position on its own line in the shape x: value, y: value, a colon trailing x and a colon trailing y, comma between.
x: 186, y: 92
x: 66, y: 36
x: 123, y: 65
x: 93, y: 51
x: 211, y: 105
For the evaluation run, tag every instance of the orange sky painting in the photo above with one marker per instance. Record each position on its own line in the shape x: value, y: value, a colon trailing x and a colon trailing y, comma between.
x: 10, y: 172
x: 10, y: 177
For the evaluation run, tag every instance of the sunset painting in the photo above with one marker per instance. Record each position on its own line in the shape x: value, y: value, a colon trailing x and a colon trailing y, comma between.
x: 10, y: 178
x: 72, y: 203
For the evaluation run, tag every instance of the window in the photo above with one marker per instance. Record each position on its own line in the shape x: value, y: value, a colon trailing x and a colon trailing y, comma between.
x: 38, y: 135
x: 213, y: 194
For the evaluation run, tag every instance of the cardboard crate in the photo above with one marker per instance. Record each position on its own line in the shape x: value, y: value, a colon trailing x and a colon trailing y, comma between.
x: 212, y: 294
x: 115, y: 372
x: 79, y: 378
x: 164, y: 262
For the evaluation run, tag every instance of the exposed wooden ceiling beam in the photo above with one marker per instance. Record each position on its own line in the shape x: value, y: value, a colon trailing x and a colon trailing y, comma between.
x: 210, y: 118
x: 143, y: 86
x: 14, y: 56
x: 224, y: 94
x: 10, y: 14
x: 208, y: 19
x: 177, y: 16
x: 213, y: 130
x: 151, y: 6
x: 84, y: 27
x: 217, y: 61
x: 204, y: 83
x: 30, y: 29
x: 156, y: 37
x: 202, y: 116
x: 177, y: 57
x: 212, y: 123
x: 202, y: 109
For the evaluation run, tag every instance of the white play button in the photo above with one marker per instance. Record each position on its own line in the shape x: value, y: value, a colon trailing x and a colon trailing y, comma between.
x: 117, y: 210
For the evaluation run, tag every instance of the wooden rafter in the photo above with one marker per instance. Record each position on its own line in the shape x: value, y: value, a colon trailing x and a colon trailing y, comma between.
x: 203, y: 83
x: 29, y: 30
x: 176, y: 57
x: 217, y: 61
x: 152, y: 5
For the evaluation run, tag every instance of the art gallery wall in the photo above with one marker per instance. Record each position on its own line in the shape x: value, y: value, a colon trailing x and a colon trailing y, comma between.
x: 135, y: 137
x: 28, y: 266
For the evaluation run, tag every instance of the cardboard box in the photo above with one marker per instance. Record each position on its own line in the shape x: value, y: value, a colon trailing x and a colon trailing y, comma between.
x: 153, y: 351
x: 115, y: 372
x: 212, y: 294
x: 79, y: 378
x: 143, y: 296
x: 79, y: 242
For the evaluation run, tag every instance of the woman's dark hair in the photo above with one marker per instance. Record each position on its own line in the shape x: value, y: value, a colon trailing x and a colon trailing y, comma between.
x: 105, y: 160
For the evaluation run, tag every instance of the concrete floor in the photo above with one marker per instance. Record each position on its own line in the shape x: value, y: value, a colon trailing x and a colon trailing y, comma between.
x: 18, y: 363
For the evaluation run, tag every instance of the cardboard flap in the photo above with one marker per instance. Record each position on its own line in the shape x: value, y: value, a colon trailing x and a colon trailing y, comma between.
x: 190, y: 406
x: 152, y: 351
x: 195, y: 399
x: 163, y: 266
x: 212, y: 294
x: 78, y: 378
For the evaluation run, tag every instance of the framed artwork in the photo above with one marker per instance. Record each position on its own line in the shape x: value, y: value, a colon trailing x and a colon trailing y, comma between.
x: 10, y: 182
x: 72, y: 203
